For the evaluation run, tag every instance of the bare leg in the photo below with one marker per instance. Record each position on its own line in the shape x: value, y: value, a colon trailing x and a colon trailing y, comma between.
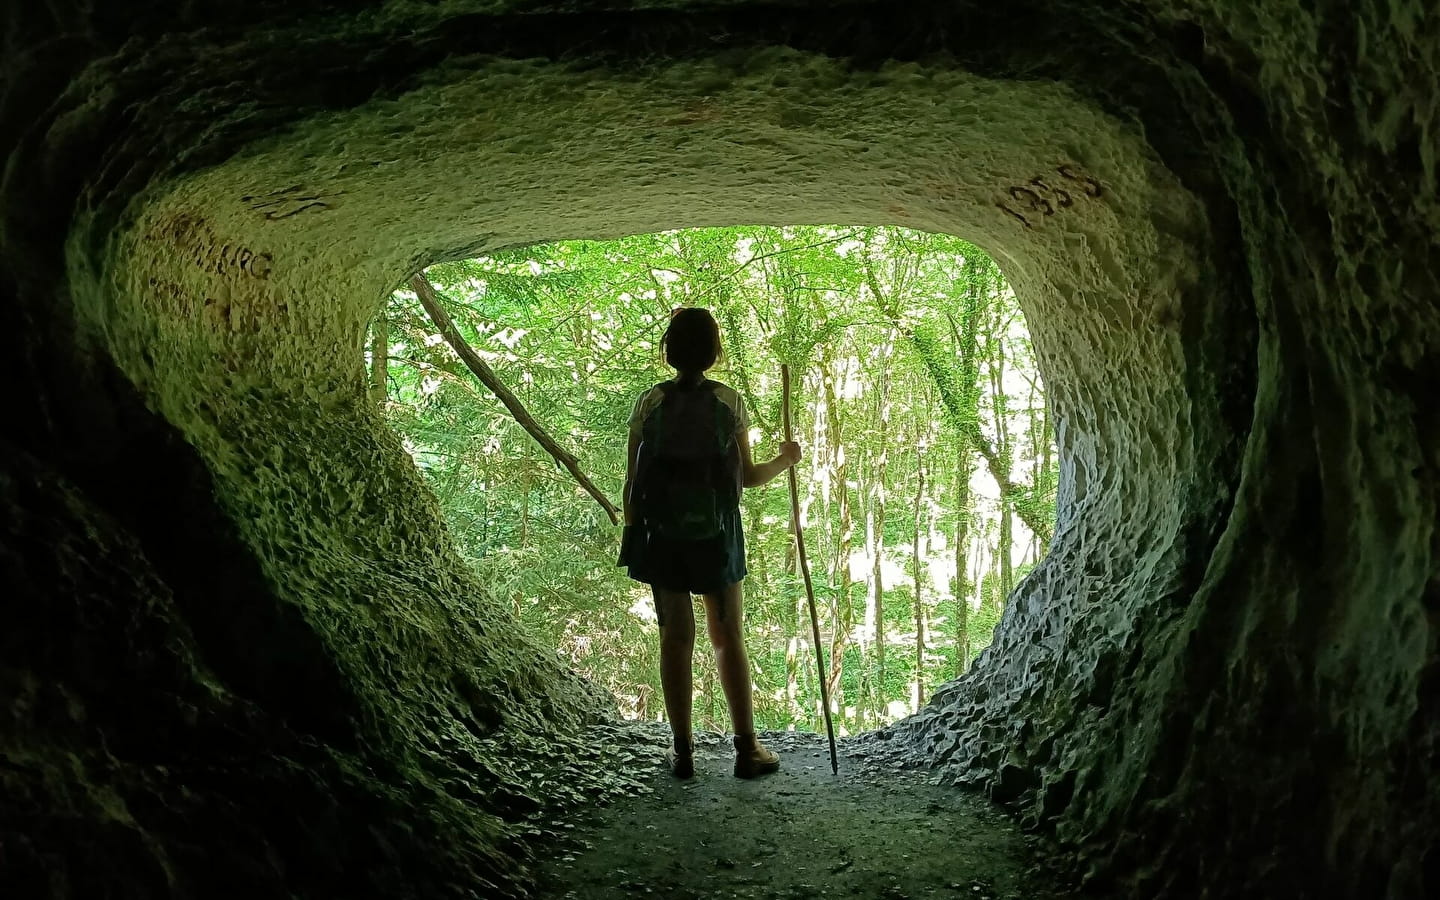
x: 677, y: 650
x: 723, y: 618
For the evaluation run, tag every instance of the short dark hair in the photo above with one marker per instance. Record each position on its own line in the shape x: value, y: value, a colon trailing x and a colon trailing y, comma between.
x: 691, y: 344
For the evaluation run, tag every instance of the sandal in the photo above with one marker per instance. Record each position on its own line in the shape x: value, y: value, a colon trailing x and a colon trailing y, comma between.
x: 681, y: 761
x: 752, y: 758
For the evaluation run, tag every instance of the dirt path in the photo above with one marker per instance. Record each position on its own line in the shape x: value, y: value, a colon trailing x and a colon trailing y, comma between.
x: 874, y: 831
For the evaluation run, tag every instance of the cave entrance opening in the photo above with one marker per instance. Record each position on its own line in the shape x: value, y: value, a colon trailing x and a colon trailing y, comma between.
x: 928, y: 488
x: 250, y: 284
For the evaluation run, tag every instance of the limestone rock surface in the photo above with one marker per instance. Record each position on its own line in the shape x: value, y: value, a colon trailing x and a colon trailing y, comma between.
x: 238, y: 654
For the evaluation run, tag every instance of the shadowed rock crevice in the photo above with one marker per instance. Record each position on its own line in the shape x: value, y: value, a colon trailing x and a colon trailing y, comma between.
x: 1219, y: 223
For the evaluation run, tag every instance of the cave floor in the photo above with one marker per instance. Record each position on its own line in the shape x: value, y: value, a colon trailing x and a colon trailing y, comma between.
x: 873, y: 831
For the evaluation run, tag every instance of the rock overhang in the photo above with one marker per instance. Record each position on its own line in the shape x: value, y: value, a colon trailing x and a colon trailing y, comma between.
x: 1214, y: 318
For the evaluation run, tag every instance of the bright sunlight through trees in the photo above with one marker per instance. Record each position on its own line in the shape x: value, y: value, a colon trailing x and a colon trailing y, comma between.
x: 928, y: 485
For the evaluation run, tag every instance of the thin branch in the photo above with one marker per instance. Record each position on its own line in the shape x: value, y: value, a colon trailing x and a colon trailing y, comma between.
x: 762, y: 256
x: 428, y: 298
x: 1010, y: 491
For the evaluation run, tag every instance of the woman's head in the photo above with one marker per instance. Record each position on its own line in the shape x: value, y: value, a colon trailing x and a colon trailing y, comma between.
x: 692, y: 342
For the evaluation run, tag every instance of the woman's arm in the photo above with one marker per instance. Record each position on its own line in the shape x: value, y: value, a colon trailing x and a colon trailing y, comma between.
x: 756, y: 474
x: 630, y: 455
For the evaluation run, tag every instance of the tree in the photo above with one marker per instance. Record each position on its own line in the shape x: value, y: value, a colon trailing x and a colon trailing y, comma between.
x: 901, y: 364
x: 875, y: 524
x: 380, y: 358
x: 919, y: 563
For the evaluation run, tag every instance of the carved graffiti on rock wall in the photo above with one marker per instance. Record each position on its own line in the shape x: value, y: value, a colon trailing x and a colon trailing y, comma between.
x: 217, y: 310
x: 290, y: 201
x: 1045, y: 195
x: 192, y: 236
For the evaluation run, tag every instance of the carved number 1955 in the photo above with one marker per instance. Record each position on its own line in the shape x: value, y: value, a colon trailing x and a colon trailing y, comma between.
x: 1038, y: 197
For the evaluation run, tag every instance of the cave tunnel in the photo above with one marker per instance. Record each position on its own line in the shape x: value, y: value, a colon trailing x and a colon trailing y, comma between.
x: 239, y: 657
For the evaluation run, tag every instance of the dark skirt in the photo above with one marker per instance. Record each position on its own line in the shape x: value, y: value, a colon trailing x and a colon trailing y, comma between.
x: 698, y: 567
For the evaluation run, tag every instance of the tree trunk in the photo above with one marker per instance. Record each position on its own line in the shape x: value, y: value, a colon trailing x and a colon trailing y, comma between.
x: 708, y: 682
x: 792, y: 672
x: 529, y: 481
x: 919, y: 579
x: 1045, y: 477
x: 866, y: 701
x: 380, y: 358
x: 966, y: 336
x: 875, y: 612
x: 802, y: 608
x: 1004, y: 548
x: 959, y: 587
x: 982, y: 565
x: 844, y: 615
x: 1000, y: 407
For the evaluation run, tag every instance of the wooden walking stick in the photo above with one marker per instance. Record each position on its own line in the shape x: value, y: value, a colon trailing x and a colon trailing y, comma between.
x: 805, y: 569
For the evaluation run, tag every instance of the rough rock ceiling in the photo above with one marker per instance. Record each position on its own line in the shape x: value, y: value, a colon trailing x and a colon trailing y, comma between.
x: 1220, y: 221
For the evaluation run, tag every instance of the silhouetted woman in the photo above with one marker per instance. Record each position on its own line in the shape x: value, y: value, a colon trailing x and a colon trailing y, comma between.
x: 689, y: 455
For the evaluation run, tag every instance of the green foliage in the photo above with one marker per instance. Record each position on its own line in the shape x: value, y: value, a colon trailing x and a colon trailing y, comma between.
x: 573, y: 327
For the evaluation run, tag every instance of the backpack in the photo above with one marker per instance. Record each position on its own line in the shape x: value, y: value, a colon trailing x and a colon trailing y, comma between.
x: 688, y: 467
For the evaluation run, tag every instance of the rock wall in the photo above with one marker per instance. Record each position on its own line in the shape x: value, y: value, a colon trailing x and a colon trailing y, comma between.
x: 1273, y: 697
x: 237, y: 624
